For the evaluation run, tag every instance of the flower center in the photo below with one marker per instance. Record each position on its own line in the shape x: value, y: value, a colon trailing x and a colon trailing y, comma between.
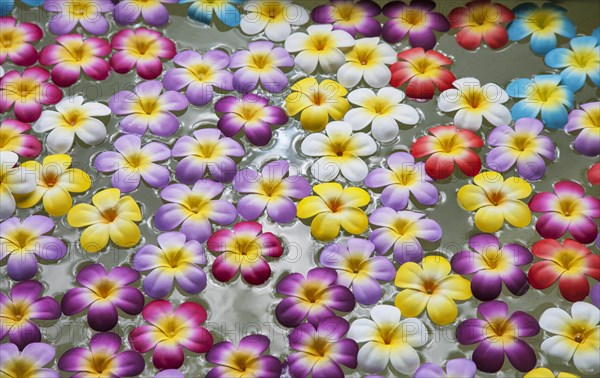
x: 142, y: 45
x: 495, y: 197
x: 339, y: 148
x: 78, y: 8
x: 407, y: 177
x: 521, y: 142
x: 20, y: 367
x: 110, y: 214
x: 274, y: 10
x: 422, y: 65
x: 569, y: 260
x: 543, y: 92
x: 6, y: 136
x: 541, y: 19
x: 261, y: 60
x: 345, y: 11
x: 318, y: 98
x: 363, y: 55
x: 205, y: 150
x: 173, y: 257
x: 312, y: 292
x: 320, y: 346
x: 473, y: 97
x: 196, y: 203
x: 6, y: 38
x: 386, y: 331
x: 335, y: 205
x: 448, y: 143
x: 242, y: 361
x: 101, y: 363
x: 149, y: 105
x: 247, y: 246
x: 250, y: 112
x: 171, y: 326
x: 201, y: 71
x: 413, y: 17
x: 270, y: 187
x: 479, y: 15
x: 429, y: 286
x: 26, y: 88
x: 50, y: 178
x: 18, y: 311
x: 500, y: 328
x: 21, y: 237
x: 104, y: 288
x: 354, y: 264
x: 136, y: 160
x: 585, y: 58
x: 72, y: 117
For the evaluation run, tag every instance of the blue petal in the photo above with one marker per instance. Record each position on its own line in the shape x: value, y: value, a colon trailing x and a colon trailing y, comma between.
x: 519, y: 87
x: 583, y: 43
x: 566, y: 28
x: 550, y: 79
x: 596, y: 34
x: 557, y: 58
x: 34, y: 3
x: 542, y: 42
x: 517, y: 30
x: 566, y: 96
x: 555, y: 117
x: 525, y: 109
x: 524, y: 10
x: 574, y: 78
x: 595, y: 77
x: 228, y: 14
x: 197, y: 13
x: 6, y: 6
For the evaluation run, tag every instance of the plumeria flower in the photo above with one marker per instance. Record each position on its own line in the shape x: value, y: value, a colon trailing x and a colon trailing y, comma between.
x: 16, y: 39
x: 339, y: 150
x: 350, y: 16
x: 369, y: 60
x: 270, y: 189
x: 416, y: 20
x: 543, y: 24
x: 313, y: 298
x: 387, y: 339
x: 13, y: 180
x: 109, y: 217
x: 334, y: 207
x: 13, y: 138
x: 317, y: 102
x: 244, y: 359
x: 569, y: 263
x: 200, y: 75
x: 322, y: 46
x: 251, y: 113
x: 320, y: 349
x: 382, y: 110
x: 148, y: 108
x: 581, y: 60
x: 131, y: 163
x: 567, y: 209
x: 69, y: 13
x: 481, y: 20
x: 101, y: 293
x: 473, y: 102
x: 523, y: 146
x: 6, y: 6
x: 586, y: 119
x: 73, y: 54
x: 545, y: 94
x: 498, y: 334
x: 143, y: 49
x: 30, y: 360
x: 102, y: 358
x: 170, y: 331
x: 403, y: 178
x: 153, y: 12
x: 491, y: 265
x: 424, y: 71
x: 194, y: 209
x: 274, y: 17
x: 547, y: 373
x: 206, y: 150
x: 358, y: 269
x: 458, y: 367
x: 21, y: 308
x: 225, y: 10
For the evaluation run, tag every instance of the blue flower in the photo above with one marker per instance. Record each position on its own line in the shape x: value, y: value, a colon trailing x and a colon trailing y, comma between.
x: 596, y: 34
x: 581, y: 60
x: 202, y: 11
x: 6, y: 6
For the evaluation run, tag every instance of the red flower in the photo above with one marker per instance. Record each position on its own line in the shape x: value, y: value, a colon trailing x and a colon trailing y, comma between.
x: 593, y: 174
x: 481, y: 19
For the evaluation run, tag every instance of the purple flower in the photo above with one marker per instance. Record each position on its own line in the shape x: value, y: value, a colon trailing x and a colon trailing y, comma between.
x: 132, y: 162
x: 458, y: 368
x: 103, y: 292
x: 69, y: 13
x: 586, y: 119
x: 595, y: 295
x: 246, y: 359
x: 193, y: 209
x: 31, y: 360
x: 270, y: 189
x: 350, y: 16
x: 102, y: 359
x: 154, y: 13
x: 18, y: 311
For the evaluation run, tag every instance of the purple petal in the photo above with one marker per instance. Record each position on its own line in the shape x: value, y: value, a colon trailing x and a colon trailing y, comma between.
x: 76, y: 300
x: 489, y: 357
x: 520, y: 355
x: 281, y: 210
x: 102, y: 316
x: 486, y: 285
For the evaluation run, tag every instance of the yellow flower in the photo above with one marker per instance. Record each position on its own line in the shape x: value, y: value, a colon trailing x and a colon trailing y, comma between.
x: 317, y: 102
x: 55, y: 181
x: 547, y: 373
x: 430, y: 286
x: 111, y: 216
x: 332, y: 207
x: 496, y: 199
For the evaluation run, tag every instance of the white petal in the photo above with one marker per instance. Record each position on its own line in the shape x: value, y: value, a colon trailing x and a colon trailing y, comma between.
x: 342, y: 38
x: 47, y: 121
x: 361, y: 96
x: 315, y: 145
x: 498, y: 115
x: 384, y: 128
x: 449, y: 100
x: 363, y: 330
x: 278, y: 31
x: 348, y: 75
x: 466, y: 83
x: 384, y: 315
x: 555, y: 320
x: 69, y: 103
x: 378, y: 76
x: 92, y: 131
x: 385, y: 53
x: 307, y: 61
x: 359, y: 118
x: 21, y: 180
x: 406, y: 114
x: 296, y: 15
x: 252, y: 23
x: 331, y: 62
x: 354, y: 169
x: 325, y: 169
x: 559, y: 347
x: 392, y: 94
x: 296, y: 42
x: 585, y: 312
x: 8, y: 159
x: 414, y: 332
x: 362, y: 144
x: 586, y: 359
x: 60, y: 140
x: 96, y: 109
x: 494, y: 93
x: 7, y: 203
x: 320, y: 29
x: 404, y: 359
x: 338, y: 130
x: 468, y: 119
x: 373, y: 357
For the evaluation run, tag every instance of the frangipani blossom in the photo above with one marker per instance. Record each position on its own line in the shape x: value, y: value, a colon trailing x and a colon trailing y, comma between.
x: 369, y: 60
x: 15, y: 41
x: 274, y: 17
x: 586, y: 119
x: 13, y: 180
x: 70, y: 13
x: 260, y: 64
x: 153, y: 12
x: 581, y: 60
x: 6, y: 6
x: 350, y: 16
x: 246, y: 358
x: 457, y: 368
x: 481, y: 20
x: 13, y: 138
x: 31, y: 360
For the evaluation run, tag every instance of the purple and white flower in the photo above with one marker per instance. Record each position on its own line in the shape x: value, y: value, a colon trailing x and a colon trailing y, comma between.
x: 244, y: 359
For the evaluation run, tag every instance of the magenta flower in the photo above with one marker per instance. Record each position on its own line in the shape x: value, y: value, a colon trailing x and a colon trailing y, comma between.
x: 19, y: 310
x: 15, y: 41
x: 154, y: 13
x: 351, y: 16
x: 194, y: 209
x: 69, y: 13
x: 170, y: 331
x: 132, y: 162
x: 14, y: 139
x: 148, y: 108
x: 457, y: 368
x: 587, y: 120
x: 103, y: 292
x: 200, y: 74
x: 499, y: 334
x: 246, y: 359
x: 32, y: 359
x: 253, y: 114
x: 315, y: 297
x: 102, y: 359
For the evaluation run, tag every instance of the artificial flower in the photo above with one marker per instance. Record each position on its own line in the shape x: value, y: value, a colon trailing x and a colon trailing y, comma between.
x: 587, y: 120
x: 148, y: 107
x: 313, y: 298
x: 595, y: 295
x: 369, y: 60
x: 170, y: 331
x: 547, y: 373
x: 109, y: 217
x: 499, y: 333
x: 30, y: 361
x: 333, y: 207
x: 6, y: 6
x: 13, y: 138
x: 16, y: 39
x: 350, y: 16
x: 153, y: 12
x: 131, y: 163
x: 458, y: 368
x: 260, y: 64
x: 270, y: 189
x: 101, y: 293
x: 581, y: 60
x: 593, y: 174
x: 481, y: 20
x: 245, y: 359
x: 274, y: 17
x: 317, y: 102
x: 69, y: 13
x: 13, y: 180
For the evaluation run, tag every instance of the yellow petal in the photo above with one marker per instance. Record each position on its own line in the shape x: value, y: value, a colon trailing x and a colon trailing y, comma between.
x: 311, y: 206
x: 95, y: 237
x: 325, y: 226
x: 57, y: 201
x: 409, y: 276
x: 489, y: 218
x: 471, y: 197
x: 127, y: 208
x: 308, y: 85
x: 296, y: 102
x: 411, y: 302
x: 83, y: 214
x: 337, y: 108
x: 314, y: 118
x: 435, y: 267
x: 455, y: 287
x: 541, y: 373
x: 516, y: 213
x: 489, y: 180
x: 60, y: 161
x: 32, y: 165
x: 441, y: 309
x: 28, y: 200
x: 329, y: 191
x: 124, y: 232
x: 333, y: 87
x: 355, y: 197
x: 106, y: 199
x: 354, y: 220
x: 516, y: 188
x: 75, y: 180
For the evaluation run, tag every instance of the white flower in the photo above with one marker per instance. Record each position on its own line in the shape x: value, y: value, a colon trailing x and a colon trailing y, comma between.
x: 473, y: 102
x: 72, y: 117
x: 383, y: 110
x: 367, y: 59
x: 275, y: 17
x: 339, y: 149
x: 13, y: 180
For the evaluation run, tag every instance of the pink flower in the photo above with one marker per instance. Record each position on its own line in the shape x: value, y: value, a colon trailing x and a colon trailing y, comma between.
x: 14, y: 139
x: 14, y: 41
x: 69, y: 13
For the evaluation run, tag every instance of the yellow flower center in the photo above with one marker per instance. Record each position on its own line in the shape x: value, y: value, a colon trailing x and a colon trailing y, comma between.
x: 495, y: 197
x: 449, y: 143
x: 172, y: 327
x: 501, y: 329
x: 7, y: 37
x: 585, y: 59
x: 413, y: 17
x: 251, y: 112
x: 104, y: 288
x: 149, y: 105
x: 473, y: 97
x: 17, y: 312
x: 247, y: 246
x: 20, y: 367
x: 424, y: 66
x: 344, y: 12
x: 143, y: 45
x: 202, y: 72
x: 386, y: 331
x: 522, y: 141
x: 406, y: 177
x: 73, y: 117
x: 544, y: 92
x: 261, y: 60
x: 206, y: 150
x: 102, y: 363
x: 110, y: 214
x: 570, y: 261
x: 273, y: 10
x: 242, y: 361
x: 22, y: 90
x: 196, y: 203
x: 542, y: 19
x: 21, y: 238
x: 80, y: 9
x: 270, y: 188
x: 569, y: 206
x: 313, y: 292
x: 137, y: 160
x: 173, y: 258
x: 354, y: 264
x: 429, y: 286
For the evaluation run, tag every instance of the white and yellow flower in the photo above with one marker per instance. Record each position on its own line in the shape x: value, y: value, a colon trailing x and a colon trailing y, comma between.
x: 13, y: 180
x: 367, y: 60
x: 275, y: 17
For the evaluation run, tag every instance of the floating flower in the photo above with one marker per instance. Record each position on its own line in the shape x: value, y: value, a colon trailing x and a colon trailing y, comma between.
x: 170, y: 332
x: 148, y: 108
x: 274, y: 17
x: 569, y: 263
x: 15, y: 41
x: 575, y: 336
x: 194, y: 209
x: 581, y: 60
x: 495, y: 199
x: 69, y: 13
x: 544, y: 94
x: 109, y: 217
x: 22, y: 242
x: 143, y: 49
x: 481, y: 20
x: 593, y: 174
x: 458, y: 367
x: 244, y: 359
x: 251, y: 113
x: 339, y: 150
x: 491, y: 265
x: 499, y: 334
x: 473, y: 102
x: 547, y: 373
x: 153, y: 12
x: 317, y: 102
x: 314, y: 297
x: 6, y: 6
x: 333, y: 207
x: 13, y: 180
x: 31, y: 360
x: 350, y: 16
x: 586, y: 119
x: 225, y: 10
x: 206, y: 150
x: 424, y: 71
x: 261, y: 63
x: 13, y: 138
x: 132, y: 162
x: 369, y: 60
x: 567, y: 210
x: 200, y: 74
x: 270, y: 189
